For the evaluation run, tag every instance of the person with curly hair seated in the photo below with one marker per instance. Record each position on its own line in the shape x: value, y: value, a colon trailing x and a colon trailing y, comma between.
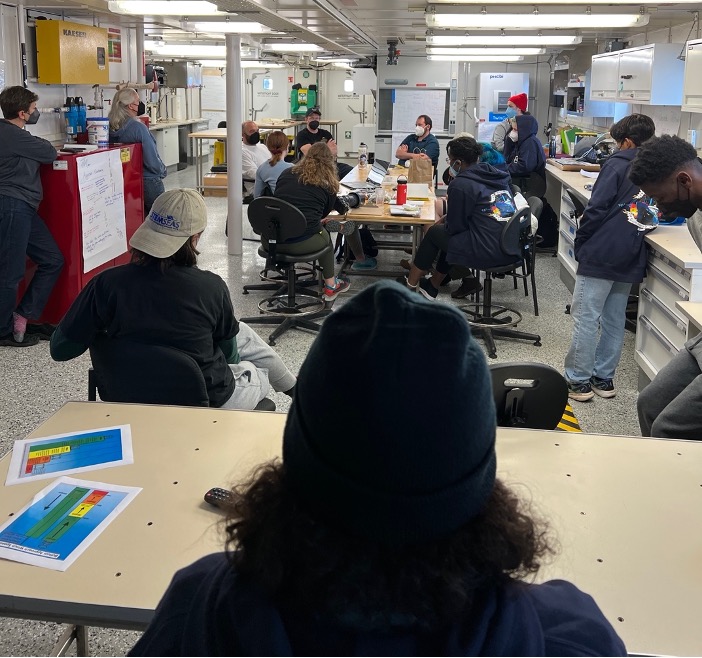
x: 387, y: 536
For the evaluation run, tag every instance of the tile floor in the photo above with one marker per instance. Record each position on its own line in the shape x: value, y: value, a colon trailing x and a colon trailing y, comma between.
x: 34, y: 387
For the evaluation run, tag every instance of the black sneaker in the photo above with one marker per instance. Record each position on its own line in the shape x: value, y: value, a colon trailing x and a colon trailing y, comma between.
x: 469, y: 286
x: 603, y: 387
x: 44, y: 330
x: 580, y: 392
x: 427, y: 289
x: 8, y: 340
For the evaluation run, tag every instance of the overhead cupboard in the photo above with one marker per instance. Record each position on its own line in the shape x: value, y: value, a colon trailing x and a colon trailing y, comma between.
x: 692, y: 87
x: 649, y: 75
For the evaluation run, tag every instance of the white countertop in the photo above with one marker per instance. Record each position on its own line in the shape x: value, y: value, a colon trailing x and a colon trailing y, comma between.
x: 160, y: 125
x: 573, y: 179
x: 676, y: 243
x: 692, y: 310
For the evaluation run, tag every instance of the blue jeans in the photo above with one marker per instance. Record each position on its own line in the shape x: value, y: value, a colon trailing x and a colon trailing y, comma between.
x: 23, y: 233
x: 153, y: 187
x: 599, y: 306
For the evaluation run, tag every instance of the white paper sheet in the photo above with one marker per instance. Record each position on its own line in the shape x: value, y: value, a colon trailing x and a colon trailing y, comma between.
x: 73, y: 452
x: 101, y: 188
x: 61, y: 521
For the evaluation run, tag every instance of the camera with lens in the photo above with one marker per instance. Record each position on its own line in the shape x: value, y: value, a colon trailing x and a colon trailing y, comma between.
x: 354, y: 199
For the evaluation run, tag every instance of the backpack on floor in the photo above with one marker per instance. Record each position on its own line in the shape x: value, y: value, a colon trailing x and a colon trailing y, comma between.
x: 548, y: 227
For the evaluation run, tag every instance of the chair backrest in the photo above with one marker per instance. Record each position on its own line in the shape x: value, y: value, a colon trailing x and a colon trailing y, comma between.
x: 222, y: 124
x: 275, y: 219
x: 510, y: 241
x: 577, y: 203
x: 126, y: 371
x: 532, y: 185
x: 531, y: 395
x: 536, y: 206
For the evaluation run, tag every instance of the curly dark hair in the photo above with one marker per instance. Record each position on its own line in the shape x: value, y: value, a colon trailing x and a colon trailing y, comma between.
x: 637, y: 127
x: 659, y: 158
x: 300, y: 560
x: 465, y: 149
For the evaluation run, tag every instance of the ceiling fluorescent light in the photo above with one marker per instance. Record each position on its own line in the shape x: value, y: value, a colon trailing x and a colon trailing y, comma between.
x: 560, y: 2
x: 224, y: 27
x: 462, y: 39
x: 531, y: 21
x: 165, y: 8
x: 502, y: 50
x: 291, y: 47
x: 475, y: 58
x: 185, y: 50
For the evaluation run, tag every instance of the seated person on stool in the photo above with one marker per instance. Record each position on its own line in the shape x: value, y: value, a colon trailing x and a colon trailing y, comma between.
x: 668, y: 169
x: 388, y: 536
x: 161, y: 297
x: 253, y: 155
x: 524, y: 152
x: 480, y: 201
x: 313, y: 134
x: 267, y: 173
x: 312, y: 186
x: 421, y: 145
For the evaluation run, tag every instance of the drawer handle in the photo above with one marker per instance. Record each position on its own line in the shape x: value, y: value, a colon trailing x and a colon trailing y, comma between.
x: 664, y: 309
x: 567, y: 238
x: 667, y: 281
x: 680, y: 270
x: 651, y: 328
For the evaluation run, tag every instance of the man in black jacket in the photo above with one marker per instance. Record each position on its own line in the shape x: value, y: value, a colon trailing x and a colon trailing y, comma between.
x: 22, y: 232
x: 611, y: 255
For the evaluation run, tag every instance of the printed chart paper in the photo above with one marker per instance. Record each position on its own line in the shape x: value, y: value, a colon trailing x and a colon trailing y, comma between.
x: 62, y: 520
x: 104, y: 224
x: 75, y: 452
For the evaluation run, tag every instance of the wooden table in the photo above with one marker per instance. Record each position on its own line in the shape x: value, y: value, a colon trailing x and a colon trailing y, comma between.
x: 369, y: 213
x: 626, y: 512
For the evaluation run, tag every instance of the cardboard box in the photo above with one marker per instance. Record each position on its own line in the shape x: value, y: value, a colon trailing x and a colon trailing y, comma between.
x: 215, y: 185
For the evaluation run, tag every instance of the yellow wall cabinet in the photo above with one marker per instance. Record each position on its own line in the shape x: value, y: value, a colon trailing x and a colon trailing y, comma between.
x: 71, y: 53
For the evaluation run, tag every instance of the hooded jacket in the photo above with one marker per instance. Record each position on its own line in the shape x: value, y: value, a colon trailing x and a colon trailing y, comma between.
x: 133, y: 132
x: 527, y: 154
x: 210, y: 610
x: 608, y: 243
x: 480, y: 202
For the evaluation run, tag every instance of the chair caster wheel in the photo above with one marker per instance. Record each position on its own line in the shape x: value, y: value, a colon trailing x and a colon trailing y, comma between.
x: 538, y: 343
x: 271, y: 343
x: 493, y: 355
x: 246, y: 292
x: 567, y: 311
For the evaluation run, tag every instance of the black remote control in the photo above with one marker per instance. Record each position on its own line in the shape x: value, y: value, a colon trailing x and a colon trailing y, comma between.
x: 218, y: 497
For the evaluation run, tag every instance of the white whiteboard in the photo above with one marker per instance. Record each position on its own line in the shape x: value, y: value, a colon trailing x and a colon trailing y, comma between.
x: 408, y: 104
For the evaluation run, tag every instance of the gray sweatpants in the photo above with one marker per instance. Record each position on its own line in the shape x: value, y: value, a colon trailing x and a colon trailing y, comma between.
x: 669, y: 407
x: 259, y: 370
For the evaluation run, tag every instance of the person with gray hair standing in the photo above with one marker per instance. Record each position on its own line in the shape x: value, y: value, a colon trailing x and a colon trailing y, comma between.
x: 125, y: 128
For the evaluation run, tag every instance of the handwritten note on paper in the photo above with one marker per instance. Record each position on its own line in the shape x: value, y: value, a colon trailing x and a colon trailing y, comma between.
x: 101, y: 187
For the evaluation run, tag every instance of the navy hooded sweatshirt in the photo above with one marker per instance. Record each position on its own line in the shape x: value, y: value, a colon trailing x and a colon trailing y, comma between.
x: 527, y: 154
x: 209, y: 610
x: 480, y: 203
x: 609, y: 242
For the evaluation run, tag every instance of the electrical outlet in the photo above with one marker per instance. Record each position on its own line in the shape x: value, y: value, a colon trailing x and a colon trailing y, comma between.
x: 347, y: 134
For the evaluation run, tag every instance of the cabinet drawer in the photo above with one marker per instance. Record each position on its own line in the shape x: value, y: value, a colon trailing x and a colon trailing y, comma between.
x: 634, y: 95
x: 567, y: 203
x: 566, y: 252
x: 664, y: 288
x: 568, y: 223
x: 670, y: 268
x: 652, y: 345
x: 671, y: 325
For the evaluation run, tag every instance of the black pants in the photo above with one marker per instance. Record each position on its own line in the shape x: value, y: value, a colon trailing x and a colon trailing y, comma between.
x: 435, y: 243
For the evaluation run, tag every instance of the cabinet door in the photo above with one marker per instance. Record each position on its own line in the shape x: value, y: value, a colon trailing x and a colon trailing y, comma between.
x: 170, y: 146
x: 605, y: 77
x: 692, y: 87
x: 635, y: 74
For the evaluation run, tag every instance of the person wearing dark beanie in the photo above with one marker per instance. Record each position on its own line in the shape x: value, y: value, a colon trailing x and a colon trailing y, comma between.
x: 387, y: 534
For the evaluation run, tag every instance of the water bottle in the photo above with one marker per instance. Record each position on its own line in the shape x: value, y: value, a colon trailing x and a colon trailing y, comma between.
x: 401, y: 198
x: 552, y: 147
x: 362, y: 155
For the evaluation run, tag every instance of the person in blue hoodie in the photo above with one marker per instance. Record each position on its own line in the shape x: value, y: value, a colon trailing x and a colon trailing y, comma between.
x: 396, y: 540
x: 524, y: 152
x: 479, y: 202
x: 611, y: 255
x: 125, y: 128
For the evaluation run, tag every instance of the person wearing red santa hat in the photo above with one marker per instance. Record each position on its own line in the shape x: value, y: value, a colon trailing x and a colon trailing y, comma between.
x: 516, y: 106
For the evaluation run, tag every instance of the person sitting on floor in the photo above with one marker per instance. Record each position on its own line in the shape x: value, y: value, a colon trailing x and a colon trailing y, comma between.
x: 667, y: 168
x: 388, y: 536
x: 163, y: 298
x: 312, y: 186
x: 267, y: 174
x: 480, y: 201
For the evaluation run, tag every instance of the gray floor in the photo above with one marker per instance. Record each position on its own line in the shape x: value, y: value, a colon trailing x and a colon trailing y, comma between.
x: 34, y: 387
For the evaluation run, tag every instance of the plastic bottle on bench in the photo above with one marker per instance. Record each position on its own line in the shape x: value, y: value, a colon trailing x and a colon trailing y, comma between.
x: 401, y: 198
x: 362, y: 155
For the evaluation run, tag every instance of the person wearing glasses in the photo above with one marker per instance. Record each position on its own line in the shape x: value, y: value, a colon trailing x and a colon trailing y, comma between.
x: 422, y: 144
x: 125, y: 128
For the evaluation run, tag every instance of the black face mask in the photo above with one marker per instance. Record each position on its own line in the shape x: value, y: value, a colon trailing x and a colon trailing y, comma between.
x: 33, y: 117
x: 314, y: 125
x: 254, y: 138
x: 679, y: 208
x: 141, y: 109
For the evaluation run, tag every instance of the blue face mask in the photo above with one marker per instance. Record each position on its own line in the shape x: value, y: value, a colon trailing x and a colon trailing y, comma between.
x: 511, y: 112
x: 453, y: 170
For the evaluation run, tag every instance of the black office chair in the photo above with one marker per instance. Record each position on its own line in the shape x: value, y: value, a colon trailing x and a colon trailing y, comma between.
x: 495, y: 320
x: 532, y: 185
x: 276, y: 221
x: 127, y: 371
x: 531, y: 395
x: 527, y: 240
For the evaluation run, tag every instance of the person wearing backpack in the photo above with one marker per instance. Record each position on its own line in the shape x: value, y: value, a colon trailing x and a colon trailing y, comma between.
x: 611, y: 255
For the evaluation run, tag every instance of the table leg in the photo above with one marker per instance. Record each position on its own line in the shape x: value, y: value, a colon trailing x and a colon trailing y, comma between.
x: 200, y: 183
x: 72, y: 633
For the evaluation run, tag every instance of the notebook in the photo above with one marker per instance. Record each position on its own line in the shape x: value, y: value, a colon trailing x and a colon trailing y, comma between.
x: 418, y: 191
